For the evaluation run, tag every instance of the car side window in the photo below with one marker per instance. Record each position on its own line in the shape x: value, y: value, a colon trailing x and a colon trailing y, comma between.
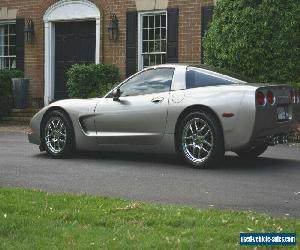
x: 195, y: 79
x: 148, y: 82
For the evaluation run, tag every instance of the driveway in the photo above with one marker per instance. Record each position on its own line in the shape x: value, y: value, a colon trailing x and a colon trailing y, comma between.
x: 269, y: 184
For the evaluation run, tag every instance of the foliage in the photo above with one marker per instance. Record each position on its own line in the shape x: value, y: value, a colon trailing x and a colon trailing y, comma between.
x: 39, y: 220
x: 6, y: 99
x: 257, y: 38
x: 92, y: 80
x: 296, y: 85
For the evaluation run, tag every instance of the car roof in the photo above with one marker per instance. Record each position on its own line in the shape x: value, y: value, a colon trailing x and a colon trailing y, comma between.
x: 207, y: 69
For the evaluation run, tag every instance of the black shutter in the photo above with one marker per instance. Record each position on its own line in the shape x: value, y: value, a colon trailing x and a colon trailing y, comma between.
x: 206, y: 17
x: 131, y: 43
x: 20, y: 22
x: 172, y: 47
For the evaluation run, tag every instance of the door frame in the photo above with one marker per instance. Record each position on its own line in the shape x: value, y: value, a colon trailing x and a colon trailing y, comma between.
x: 62, y: 11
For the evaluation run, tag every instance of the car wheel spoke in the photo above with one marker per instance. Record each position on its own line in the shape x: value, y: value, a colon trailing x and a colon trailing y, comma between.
x: 55, y: 135
x: 197, y: 140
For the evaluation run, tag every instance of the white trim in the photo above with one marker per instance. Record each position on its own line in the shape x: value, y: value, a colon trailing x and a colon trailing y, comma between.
x: 65, y: 10
x: 140, y: 38
x: 8, y: 21
x: 8, y: 45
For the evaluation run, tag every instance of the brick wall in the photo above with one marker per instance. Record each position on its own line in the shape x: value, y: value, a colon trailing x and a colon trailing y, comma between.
x: 111, y: 51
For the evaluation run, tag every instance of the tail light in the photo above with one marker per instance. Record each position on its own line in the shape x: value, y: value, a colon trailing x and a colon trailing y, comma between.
x: 260, y: 98
x: 292, y: 96
x: 270, y: 97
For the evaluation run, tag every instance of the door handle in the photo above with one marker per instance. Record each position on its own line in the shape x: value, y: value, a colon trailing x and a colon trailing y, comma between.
x: 157, y: 100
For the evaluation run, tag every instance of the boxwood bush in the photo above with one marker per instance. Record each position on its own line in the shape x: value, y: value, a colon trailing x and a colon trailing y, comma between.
x: 92, y: 80
x: 6, y: 99
x: 257, y: 38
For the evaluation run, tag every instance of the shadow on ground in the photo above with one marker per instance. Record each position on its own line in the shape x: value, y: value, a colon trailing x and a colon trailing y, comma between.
x: 229, y: 162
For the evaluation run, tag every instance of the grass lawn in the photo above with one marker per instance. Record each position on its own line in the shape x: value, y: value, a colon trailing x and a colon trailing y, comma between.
x: 40, y: 220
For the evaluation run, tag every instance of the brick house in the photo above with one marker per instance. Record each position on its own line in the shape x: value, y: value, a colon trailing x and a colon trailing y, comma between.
x: 65, y: 32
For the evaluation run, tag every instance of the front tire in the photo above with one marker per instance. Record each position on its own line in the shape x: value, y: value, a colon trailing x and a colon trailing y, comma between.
x: 58, y: 135
x: 253, y: 152
x: 200, y: 140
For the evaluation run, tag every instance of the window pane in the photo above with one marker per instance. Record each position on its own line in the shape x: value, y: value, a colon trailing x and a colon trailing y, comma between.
x: 158, y: 59
x: 195, y: 79
x: 6, y: 29
x: 163, y: 33
x: 5, y: 50
x: 163, y: 21
x: 12, y: 40
x: 145, y: 34
x: 13, y: 63
x: 145, y: 22
x: 151, y: 46
x: 163, y: 46
x: 152, y: 60
x: 6, y: 62
x: 5, y: 40
x: 157, y: 46
x: 148, y: 82
x: 1, y: 63
x: 1, y: 50
x: 12, y: 50
x: 2, y: 30
x: 12, y: 29
x: 145, y: 47
x: 164, y: 59
x: 151, y: 21
x: 157, y: 33
x: 151, y: 34
x: 154, y: 39
x: 145, y: 60
x: 157, y: 21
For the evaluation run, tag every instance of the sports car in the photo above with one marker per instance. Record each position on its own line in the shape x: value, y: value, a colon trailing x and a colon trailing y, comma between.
x: 193, y: 111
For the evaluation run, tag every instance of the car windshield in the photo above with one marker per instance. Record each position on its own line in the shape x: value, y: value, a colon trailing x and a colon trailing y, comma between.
x: 236, y: 76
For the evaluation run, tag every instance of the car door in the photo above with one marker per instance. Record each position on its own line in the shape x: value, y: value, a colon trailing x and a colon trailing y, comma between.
x: 139, y: 115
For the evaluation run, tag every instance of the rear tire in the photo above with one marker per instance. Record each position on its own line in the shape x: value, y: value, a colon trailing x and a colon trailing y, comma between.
x: 199, y: 139
x: 58, y: 135
x: 253, y: 152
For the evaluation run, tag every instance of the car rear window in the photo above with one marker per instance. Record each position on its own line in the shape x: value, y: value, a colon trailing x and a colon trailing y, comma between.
x: 196, y: 77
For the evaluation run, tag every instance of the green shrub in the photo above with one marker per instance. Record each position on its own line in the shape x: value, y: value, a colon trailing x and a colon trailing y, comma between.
x: 296, y: 86
x: 93, y: 80
x: 257, y: 38
x: 6, y: 99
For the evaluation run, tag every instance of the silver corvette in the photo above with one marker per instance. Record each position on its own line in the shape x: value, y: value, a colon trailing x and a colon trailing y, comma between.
x: 192, y: 111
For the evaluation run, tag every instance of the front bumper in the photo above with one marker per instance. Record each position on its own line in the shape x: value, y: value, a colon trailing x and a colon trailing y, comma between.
x: 35, y: 123
x: 34, y: 138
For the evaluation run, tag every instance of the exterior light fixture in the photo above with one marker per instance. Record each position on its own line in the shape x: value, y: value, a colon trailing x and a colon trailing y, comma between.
x: 113, y: 28
x: 29, y: 31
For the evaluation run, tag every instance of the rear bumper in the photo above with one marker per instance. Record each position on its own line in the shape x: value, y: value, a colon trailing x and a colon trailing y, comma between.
x: 278, y: 133
x: 280, y: 128
x: 268, y: 129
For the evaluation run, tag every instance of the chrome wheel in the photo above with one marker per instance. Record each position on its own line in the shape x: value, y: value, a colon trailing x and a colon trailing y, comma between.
x: 55, y: 135
x: 197, y: 140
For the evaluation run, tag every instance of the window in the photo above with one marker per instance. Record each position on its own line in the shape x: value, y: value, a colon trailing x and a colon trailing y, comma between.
x: 196, y: 78
x: 148, y: 82
x: 7, y: 46
x: 152, y: 39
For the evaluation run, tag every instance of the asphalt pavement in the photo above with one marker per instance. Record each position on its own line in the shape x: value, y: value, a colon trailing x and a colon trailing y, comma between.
x: 269, y: 184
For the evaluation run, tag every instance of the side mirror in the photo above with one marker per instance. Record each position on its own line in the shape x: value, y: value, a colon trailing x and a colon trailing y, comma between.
x: 116, y: 94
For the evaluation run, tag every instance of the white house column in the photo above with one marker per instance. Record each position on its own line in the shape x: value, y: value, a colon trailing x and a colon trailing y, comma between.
x: 98, y: 41
x: 49, y: 62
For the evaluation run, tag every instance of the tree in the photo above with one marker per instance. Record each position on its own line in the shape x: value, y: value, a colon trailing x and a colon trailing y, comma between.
x: 257, y: 38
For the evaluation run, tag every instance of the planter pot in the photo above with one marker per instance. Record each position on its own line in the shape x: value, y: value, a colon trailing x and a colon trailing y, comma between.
x: 20, y: 92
